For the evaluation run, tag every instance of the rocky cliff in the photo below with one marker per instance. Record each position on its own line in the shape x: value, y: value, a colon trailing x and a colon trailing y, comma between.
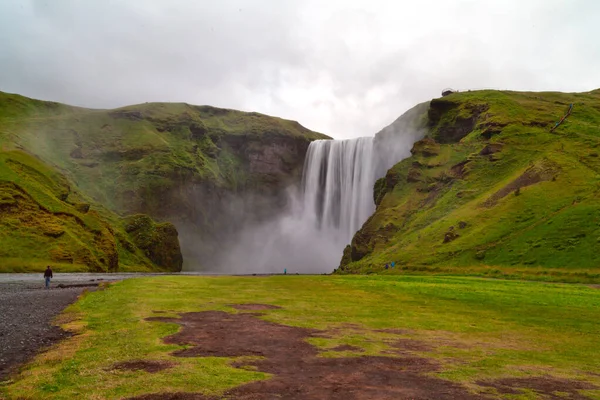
x: 491, y: 190
x: 205, y: 169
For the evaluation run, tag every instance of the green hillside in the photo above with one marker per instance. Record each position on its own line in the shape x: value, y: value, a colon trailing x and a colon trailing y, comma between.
x: 173, y: 161
x: 492, y: 191
x: 44, y: 220
x: 120, y: 156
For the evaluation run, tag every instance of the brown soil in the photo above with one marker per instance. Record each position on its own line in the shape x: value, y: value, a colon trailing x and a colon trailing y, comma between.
x: 551, y: 388
x: 143, y: 365
x: 174, y: 396
x: 254, y: 306
x: 298, y: 372
x: 458, y: 170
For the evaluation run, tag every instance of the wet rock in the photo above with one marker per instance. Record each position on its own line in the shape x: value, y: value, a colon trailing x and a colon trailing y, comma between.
x: 426, y: 147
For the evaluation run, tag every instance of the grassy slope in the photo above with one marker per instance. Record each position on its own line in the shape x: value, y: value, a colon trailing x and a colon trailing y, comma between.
x: 43, y: 220
x: 133, y: 154
x: 173, y: 161
x: 547, y: 230
x: 479, y: 329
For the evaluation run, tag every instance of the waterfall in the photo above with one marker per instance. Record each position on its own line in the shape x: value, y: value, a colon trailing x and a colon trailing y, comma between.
x: 333, y: 201
x: 337, y: 187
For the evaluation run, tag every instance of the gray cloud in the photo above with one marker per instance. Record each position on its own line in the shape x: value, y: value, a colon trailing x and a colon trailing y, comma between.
x: 346, y: 68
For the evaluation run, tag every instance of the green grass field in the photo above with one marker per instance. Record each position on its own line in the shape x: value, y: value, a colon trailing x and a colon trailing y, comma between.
x: 476, y: 329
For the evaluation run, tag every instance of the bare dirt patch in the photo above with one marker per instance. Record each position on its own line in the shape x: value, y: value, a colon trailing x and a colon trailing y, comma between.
x: 174, y: 396
x: 347, y: 347
x: 151, y: 366
x: 254, y: 306
x: 298, y: 372
x: 550, y: 387
x: 459, y: 170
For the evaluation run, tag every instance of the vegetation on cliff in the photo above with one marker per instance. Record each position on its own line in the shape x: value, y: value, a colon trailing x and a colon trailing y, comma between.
x: 45, y: 220
x: 490, y: 190
x: 175, y: 162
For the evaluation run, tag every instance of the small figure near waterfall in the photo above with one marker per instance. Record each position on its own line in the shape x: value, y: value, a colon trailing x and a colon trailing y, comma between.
x: 48, y: 276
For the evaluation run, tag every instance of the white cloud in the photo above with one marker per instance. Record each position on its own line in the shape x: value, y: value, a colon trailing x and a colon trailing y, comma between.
x: 346, y: 68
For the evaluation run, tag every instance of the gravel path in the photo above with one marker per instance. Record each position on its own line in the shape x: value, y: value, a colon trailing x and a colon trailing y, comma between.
x: 26, y: 313
x: 27, y: 310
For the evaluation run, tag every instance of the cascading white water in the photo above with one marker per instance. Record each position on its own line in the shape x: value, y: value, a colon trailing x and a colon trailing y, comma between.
x: 335, y: 199
x: 337, y: 183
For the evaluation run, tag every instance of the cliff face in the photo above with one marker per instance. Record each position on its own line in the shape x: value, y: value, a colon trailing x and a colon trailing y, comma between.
x: 205, y: 169
x: 490, y: 190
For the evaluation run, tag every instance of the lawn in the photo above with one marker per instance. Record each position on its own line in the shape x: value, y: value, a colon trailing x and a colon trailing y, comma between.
x: 474, y: 330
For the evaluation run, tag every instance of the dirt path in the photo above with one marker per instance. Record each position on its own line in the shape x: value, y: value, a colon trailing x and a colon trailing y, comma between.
x: 26, y: 312
x: 298, y: 372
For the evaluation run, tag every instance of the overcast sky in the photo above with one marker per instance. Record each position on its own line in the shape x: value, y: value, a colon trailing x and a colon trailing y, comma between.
x: 346, y: 68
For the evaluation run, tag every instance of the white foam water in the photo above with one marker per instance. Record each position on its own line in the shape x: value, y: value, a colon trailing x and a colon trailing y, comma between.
x: 337, y: 187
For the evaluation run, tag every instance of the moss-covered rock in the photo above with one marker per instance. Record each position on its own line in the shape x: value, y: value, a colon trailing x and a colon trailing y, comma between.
x: 426, y: 147
x: 158, y: 241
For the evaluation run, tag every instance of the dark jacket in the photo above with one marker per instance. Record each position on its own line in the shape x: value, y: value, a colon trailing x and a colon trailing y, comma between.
x: 48, y: 273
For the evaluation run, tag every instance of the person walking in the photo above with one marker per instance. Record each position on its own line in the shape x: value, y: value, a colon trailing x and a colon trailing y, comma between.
x: 48, y: 276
